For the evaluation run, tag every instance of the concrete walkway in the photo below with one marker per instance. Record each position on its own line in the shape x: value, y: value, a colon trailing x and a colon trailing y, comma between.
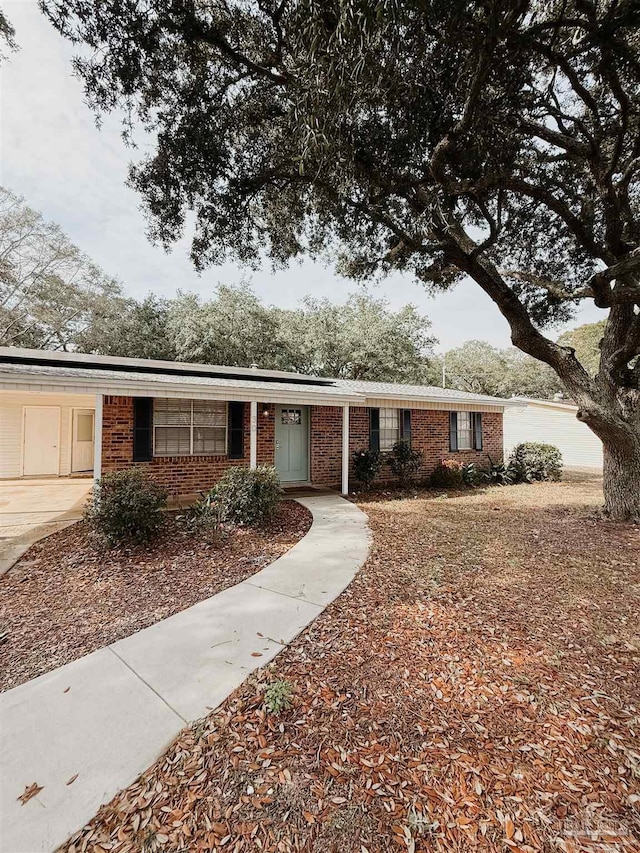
x: 109, y: 715
x: 33, y: 509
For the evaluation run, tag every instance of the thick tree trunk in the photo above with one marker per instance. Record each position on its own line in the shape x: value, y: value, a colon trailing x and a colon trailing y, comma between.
x: 622, y: 479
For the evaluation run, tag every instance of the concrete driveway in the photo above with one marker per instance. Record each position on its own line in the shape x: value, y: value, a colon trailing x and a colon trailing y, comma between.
x: 31, y: 509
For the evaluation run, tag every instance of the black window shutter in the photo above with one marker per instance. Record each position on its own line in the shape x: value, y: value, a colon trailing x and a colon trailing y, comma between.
x: 453, y: 431
x: 405, y: 425
x: 374, y: 429
x: 477, y: 430
x: 235, y: 447
x: 142, y: 429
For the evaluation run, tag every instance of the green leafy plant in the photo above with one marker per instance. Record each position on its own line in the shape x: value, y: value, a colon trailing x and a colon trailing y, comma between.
x: 447, y: 475
x: 498, y: 474
x: 470, y: 474
x: 404, y: 462
x: 205, y: 514
x: 278, y: 696
x: 532, y: 460
x: 126, y: 506
x: 366, y: 466
x: 246, y: 496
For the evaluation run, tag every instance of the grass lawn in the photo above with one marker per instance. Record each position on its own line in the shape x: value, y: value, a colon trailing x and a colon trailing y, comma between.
x: 477, y: 687
x: 70, y: 595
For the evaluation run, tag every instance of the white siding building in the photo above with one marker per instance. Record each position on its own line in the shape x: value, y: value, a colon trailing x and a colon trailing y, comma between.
x: 46, y: 434
x: 553, y: 422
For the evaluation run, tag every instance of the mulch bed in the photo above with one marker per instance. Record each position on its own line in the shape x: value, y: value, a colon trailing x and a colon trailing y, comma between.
x: 475, y: 688
x: 68, y: 595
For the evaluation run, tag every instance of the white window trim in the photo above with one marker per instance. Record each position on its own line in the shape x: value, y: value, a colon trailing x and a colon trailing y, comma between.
x: 191, y: 428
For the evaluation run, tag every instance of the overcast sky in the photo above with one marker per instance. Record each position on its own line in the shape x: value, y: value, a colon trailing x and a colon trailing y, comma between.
x: 52, y: 153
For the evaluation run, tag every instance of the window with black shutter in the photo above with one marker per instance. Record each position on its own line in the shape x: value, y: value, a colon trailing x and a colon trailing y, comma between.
x: 236, y: 430
x: 405, y: 425
x: 477, y: 430
x: 142, y: 429
x: 374, y: 429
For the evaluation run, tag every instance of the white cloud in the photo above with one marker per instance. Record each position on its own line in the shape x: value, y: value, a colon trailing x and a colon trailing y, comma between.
x: 52, y: 153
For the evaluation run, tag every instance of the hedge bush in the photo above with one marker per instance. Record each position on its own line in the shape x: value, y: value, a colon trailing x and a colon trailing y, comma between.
x: 447, y: 475
x: 248, y: 497
x: 366, y: 465
x: 532, y: 461
x: 404, y: 462
x: 126, y: 506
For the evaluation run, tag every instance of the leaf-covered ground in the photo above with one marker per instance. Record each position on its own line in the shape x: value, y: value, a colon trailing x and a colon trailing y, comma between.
x: 69, y: 595
x: 476, y: 688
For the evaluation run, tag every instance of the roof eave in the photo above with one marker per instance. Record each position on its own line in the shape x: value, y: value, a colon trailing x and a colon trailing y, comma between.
x: 137, y: 388
x: 498, y: 402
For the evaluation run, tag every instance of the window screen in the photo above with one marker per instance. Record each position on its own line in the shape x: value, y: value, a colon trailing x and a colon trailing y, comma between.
x: 185, y: 427
x: 465, y: 437
x: 389, y: 428
x: 84, y: 427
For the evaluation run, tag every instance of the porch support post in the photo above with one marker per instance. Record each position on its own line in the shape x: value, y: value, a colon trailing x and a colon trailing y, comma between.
x: 345, y: 450
x: 253, y: 436
x: 97, y: 439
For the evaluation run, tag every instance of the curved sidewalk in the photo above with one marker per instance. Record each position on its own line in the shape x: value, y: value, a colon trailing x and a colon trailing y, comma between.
x: 107, y: 716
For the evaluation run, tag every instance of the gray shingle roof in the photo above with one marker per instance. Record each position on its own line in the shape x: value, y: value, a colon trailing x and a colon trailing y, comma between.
x: 128, y: 373
x: 395, y: 389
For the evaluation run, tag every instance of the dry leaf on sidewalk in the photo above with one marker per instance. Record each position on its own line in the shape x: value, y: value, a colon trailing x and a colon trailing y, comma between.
x: 30, y: 791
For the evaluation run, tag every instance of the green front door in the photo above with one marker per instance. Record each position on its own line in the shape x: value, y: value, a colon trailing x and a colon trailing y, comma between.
x: 292, y: 443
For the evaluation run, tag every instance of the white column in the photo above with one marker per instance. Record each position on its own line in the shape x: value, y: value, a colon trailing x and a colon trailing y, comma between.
x: 253, y: 436
x: 97, y: 439
x: 345, y: 450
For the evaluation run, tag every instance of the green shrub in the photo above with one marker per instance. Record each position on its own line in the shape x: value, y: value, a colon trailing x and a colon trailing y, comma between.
x: 447, y: 475
x: 532, y: 460
x: 205, y: 514
x: 126, y: 506
x: 248, y: 497
x: 470, y: 474
x: 366, y: 465
x: 498, y: 474
x: 404, y: 462
x: 277, y: 696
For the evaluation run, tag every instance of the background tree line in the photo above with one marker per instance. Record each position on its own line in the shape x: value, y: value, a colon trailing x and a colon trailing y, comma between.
x: 52, y: 296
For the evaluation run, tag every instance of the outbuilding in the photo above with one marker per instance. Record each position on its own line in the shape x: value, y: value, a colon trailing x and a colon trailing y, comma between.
x: 552, y: 422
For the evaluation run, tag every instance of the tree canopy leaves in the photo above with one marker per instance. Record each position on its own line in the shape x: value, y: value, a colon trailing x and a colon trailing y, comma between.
x: 443, y: 138
x: 48, y: 288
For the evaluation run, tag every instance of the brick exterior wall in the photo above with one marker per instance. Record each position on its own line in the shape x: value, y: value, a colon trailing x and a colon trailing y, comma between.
x: 180, y: 475
x: 326, y: 446
x: 429, y: 433
x: 189, y: 474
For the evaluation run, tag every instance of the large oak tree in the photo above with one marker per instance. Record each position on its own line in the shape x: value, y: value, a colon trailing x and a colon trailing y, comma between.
x: 498, y: 140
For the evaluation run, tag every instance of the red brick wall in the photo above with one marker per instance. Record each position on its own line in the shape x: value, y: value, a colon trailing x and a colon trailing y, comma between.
x: 326, y: 446
x: 180, y: 475
x: 188, y: 474
x: 430, y: 433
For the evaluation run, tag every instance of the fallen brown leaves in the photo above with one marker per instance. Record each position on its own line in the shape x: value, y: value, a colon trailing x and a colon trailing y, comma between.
x: 68, y: 596
x: 475, y: 688
x: 29, y: 792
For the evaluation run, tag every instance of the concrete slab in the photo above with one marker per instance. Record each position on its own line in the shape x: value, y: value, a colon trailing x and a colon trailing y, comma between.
x: 325, y: 562
x: 94, y: 718
x: 127, y: 702
x: 33, y: 509
x: 31, y: 502
x: 196, y: 658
